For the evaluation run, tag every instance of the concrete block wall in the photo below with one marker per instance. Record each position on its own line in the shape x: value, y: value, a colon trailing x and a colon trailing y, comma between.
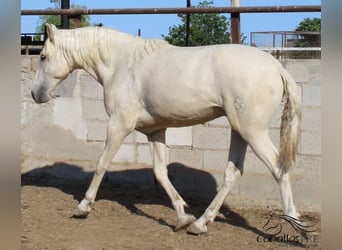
x: 204, y: 147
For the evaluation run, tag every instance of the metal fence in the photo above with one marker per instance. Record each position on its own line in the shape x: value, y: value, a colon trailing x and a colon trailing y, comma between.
x: 289, y: 44
x: 234, y: 11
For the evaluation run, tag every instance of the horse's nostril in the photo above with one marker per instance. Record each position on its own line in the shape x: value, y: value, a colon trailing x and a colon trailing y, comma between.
x: 32, y: 94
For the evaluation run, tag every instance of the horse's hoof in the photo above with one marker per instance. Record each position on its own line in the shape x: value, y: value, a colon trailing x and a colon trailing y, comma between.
x: 295, y: 215
x: 81, y: 212
x: 196, y: 228
x: 184, y: 221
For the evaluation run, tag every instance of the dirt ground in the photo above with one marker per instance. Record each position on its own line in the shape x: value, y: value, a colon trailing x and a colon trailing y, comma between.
x: 134, y: 218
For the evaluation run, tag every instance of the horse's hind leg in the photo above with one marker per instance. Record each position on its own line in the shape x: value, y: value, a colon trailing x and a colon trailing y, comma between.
x: 115, y: 135
x: 232, y: 173
x: 158, y: 148
x: 263, y: 147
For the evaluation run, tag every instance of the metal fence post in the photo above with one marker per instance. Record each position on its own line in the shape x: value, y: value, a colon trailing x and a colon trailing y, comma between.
x: 65, y: 23
x: 235, y: 23
x: 188, y: 17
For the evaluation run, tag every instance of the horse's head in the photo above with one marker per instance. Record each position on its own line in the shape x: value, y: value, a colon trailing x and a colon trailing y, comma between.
x: 53, y: 67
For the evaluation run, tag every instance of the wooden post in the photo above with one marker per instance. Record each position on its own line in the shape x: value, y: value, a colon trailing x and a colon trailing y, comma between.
x: 235, y: 23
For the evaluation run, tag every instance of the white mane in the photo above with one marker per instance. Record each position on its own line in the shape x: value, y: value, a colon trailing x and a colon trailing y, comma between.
x: 94, y: 45
x: 144, y: 47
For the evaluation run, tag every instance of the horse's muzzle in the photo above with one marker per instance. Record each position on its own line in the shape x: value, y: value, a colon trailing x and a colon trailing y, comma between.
x: 40, y: 97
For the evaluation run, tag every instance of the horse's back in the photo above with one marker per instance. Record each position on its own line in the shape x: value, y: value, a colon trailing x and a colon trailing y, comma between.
x: 210, y: 72
x: 203, y: 65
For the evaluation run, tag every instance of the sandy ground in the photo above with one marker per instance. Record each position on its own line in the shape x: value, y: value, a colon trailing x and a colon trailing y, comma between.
x: 133, y: 218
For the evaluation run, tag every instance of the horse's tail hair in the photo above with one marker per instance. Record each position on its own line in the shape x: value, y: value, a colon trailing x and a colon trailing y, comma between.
x: 290, y: 122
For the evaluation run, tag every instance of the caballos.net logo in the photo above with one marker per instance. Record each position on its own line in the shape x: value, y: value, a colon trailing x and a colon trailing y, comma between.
x: 304, y: 231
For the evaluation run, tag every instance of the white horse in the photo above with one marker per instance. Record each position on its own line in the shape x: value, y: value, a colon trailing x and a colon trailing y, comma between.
x: 150, y: 85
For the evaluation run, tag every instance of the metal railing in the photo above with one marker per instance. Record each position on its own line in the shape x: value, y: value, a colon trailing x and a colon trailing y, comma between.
x: 288, y: 44
x: 188, y: 10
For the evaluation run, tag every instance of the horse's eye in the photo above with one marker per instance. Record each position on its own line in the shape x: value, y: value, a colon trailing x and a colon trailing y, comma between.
x: 42, y: 57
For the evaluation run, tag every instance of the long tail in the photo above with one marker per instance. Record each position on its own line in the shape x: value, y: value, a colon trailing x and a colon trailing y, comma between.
x: 290, y: 122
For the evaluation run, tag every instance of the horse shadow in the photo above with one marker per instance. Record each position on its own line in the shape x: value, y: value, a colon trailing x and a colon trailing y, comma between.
x: 138, y: 186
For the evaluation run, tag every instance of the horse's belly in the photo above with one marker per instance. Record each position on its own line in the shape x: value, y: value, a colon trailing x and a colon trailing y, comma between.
x: 156, y: 119
x: 188, y: 115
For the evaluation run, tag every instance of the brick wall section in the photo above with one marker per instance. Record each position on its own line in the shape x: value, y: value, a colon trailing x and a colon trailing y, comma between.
x: 203, y: 147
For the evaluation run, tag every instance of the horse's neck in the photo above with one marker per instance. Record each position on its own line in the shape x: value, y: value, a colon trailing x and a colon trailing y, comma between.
x: 108, y: 52
x: 101, y: 60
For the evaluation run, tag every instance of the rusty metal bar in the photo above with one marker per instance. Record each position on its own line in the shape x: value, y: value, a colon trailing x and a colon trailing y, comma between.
x: 191, y: 10
x: 235, y: 28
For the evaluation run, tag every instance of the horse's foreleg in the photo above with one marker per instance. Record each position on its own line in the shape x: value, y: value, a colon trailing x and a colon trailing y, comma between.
x: 158, y: 148
x: 115, y: 137
x: 232, y: 173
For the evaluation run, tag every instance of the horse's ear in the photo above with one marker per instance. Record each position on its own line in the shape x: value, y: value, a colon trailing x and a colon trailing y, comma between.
x: 51, y: 31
